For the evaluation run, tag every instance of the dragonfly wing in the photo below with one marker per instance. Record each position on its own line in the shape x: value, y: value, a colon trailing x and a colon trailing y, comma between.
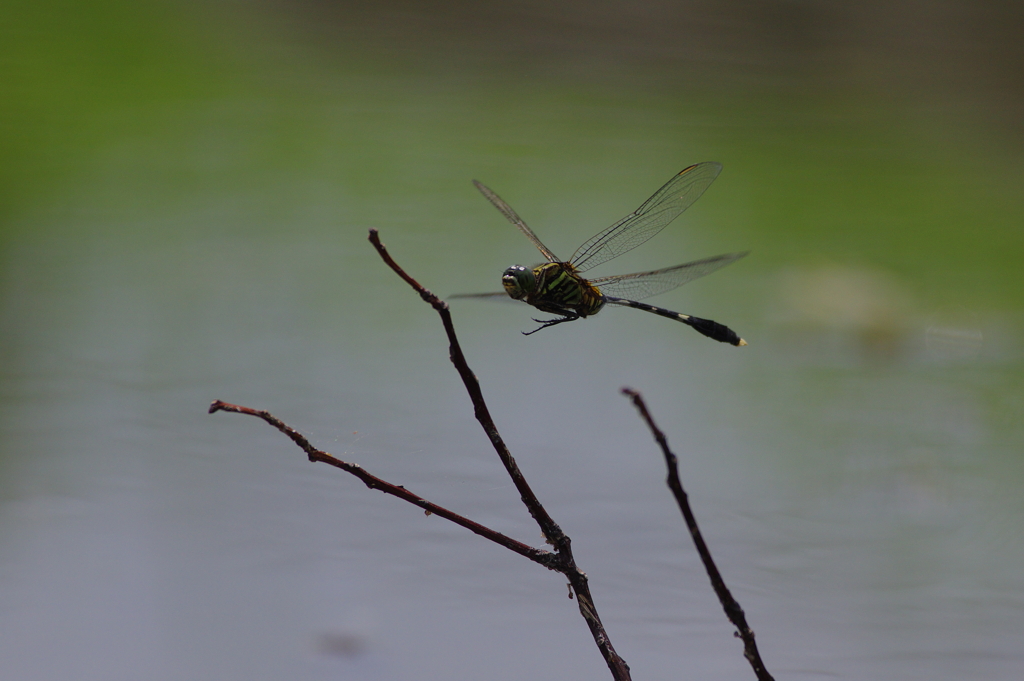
x: 495, y: 296
x: 677, y: 195
x: 646, y: 284
x: 514, y: 218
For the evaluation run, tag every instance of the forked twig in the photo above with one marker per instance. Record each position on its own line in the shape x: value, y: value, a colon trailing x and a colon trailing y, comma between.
x: 560, y: 560
x: 566, y: 564
x: 732, y: 609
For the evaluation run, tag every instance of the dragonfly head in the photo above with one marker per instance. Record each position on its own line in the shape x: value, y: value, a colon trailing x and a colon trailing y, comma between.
x: 519, y: 281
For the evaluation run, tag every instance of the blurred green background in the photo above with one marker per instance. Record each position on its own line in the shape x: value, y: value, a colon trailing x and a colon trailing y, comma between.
x: 185, y: 191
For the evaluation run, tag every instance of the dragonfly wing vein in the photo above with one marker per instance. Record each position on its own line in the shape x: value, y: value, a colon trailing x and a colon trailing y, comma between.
x: 651, y: 217
x: 642, y: 285
x: 498, y: 295
x: 514, y: 218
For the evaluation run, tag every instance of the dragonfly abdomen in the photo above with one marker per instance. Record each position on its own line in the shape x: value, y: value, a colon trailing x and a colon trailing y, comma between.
x: 709, y: 328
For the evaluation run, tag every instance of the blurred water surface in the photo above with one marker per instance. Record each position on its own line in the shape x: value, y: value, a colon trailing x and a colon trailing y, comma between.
x: 186, y: 195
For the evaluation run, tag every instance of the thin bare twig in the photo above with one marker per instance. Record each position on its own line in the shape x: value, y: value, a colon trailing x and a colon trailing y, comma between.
x: 545, y: 558
x: 732, y: 609
x: 566, y: 564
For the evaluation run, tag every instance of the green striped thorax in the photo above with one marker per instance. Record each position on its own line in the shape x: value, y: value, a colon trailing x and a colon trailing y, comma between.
x: 553, y: 287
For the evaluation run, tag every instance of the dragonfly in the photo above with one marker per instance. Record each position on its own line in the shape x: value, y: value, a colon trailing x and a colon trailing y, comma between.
x: 558, y: 287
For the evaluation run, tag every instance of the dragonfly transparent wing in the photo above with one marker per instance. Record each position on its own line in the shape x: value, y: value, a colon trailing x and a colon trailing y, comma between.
x: 499, y: 295
x: 646, y: 284
x: 514, y: 218
x: 666, y: 205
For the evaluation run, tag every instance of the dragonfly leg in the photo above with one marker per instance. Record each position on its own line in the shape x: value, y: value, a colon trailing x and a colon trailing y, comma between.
x: 545, y: 323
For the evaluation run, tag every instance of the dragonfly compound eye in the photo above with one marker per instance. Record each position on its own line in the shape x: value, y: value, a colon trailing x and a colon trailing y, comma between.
x: 518, y: 281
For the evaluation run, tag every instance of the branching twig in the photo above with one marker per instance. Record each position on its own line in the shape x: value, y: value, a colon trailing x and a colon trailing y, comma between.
x: 561, y: 560
x: 545, y: 558
x: 732, y: 609
x: 553, y: 533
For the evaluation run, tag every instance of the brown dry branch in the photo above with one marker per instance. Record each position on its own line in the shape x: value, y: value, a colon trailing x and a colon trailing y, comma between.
x: 545, y: 558
x: 565, y: 563
x: 732, y: 609
x: 560, y: 560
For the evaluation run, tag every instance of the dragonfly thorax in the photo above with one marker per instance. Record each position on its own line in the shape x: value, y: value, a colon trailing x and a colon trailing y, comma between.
x: 553, y: 287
